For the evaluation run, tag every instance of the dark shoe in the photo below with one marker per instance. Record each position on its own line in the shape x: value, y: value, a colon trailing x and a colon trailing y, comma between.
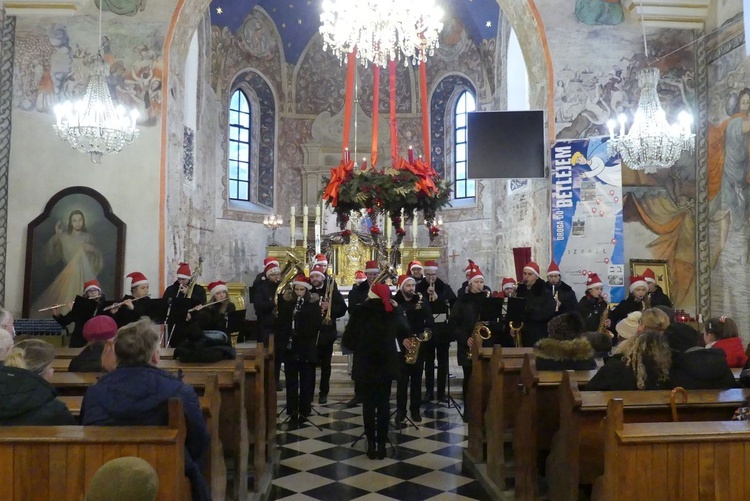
x: 323, y: 399
x: 371, y: 448
x: 352, y: 403
x: 381, y: 450
x: 416, y: 416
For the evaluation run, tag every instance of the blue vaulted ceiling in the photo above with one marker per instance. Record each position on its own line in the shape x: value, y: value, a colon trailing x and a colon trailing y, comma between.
x: 298, y: 20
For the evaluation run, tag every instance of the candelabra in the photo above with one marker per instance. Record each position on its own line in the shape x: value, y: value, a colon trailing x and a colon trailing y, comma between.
x: 273, y: 222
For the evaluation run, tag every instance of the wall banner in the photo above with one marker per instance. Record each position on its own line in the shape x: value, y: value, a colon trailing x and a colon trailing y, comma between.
x: 587, y: 231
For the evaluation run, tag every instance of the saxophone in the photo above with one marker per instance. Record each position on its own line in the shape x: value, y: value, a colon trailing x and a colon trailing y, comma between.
x: 647, y: 301
x: 416, y: 342
x: 602, y: 321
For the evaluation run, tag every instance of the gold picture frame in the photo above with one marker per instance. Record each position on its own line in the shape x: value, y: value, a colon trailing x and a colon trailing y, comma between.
x: 660, y: 267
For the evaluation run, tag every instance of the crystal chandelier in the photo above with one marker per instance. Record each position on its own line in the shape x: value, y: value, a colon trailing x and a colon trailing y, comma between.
x: 381, y: 30
x: 93, y: 125
x: 652, y: 143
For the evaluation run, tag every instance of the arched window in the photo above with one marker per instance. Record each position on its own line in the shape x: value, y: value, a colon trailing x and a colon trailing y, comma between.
x: 462, y: 186
x: 239, y: 147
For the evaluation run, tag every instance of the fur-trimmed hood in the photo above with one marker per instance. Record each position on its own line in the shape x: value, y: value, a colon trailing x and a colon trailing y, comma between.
x: 555, y: 349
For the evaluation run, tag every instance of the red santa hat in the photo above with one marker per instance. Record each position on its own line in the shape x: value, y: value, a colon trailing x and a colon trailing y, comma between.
x: 320, y: 259
x: 637, y: 281
x: 430, y: 266
x: 215, y: 287
x: 508, y: 283
x: 553, y: 269
x: 360, y: 276
x: 136, y: 278
x: 471, y: 266
x: 402, y: 279
x: 302, y: 281
x: 91, y: 284
x: 319, y: 269
x: 532, y: 267
x: 649, y: 276
x: 183, y: 270
x: 415, y: 264
x: 372, y: 267
x: 382, y: 292
x: 270, y: 260
x: 593, y: 280
x: 272, y: 267
x: 475, y: 274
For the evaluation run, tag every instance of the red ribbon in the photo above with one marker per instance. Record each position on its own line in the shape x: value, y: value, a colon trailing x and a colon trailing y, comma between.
x: 392, y: 102
x: 424, y: 172
x: 338, y: 176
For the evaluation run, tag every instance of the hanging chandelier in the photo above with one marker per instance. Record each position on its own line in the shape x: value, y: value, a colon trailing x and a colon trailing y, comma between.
x: 94, y: 125
x: 381, y: 30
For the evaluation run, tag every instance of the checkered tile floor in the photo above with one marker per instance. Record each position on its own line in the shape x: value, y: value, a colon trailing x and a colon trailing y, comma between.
x: 424, y: 463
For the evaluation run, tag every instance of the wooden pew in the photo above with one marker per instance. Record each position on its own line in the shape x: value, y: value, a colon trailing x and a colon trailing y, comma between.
x: 688, y: 461
x: 577, y: 454
x: 58, y: 462
x: 215, y: 470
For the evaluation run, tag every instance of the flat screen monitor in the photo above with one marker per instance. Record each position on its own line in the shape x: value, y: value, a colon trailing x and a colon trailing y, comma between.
x: 505, y: 144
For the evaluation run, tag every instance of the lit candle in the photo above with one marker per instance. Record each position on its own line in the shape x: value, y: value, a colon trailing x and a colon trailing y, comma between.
x: 388, y: 229
x: 403, y: 225
x: 304, y: 226
x: 611, y: 127
x: 415, y: 225
x: 292, y: 222
x: 346, y: 155
x: 364, y: 164
x: 317, y: 237
x: 622, y: 119
x: 440, y: 220
x: 411, y: 155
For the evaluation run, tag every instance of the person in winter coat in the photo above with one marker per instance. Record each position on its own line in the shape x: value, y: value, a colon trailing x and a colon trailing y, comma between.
x: 539, y: 305
x: 565, y: 348
x: 26, y: 397
x: 564, y: 293
x: 137, y: 392
x: 634, y: 301
x: 592, y: 305
x: 721, y: 332
x: 642, y: 363
x: 375, y: 334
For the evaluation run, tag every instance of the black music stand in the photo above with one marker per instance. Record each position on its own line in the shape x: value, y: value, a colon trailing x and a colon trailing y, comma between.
x: 236, y: 321
x: 452, y: 404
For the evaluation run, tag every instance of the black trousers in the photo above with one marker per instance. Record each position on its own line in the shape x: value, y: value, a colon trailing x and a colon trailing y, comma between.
x: 376, y: 409
x: 409, y: 385
x: 442, y: 351
x: 325, y: 353
x: 300, y: 385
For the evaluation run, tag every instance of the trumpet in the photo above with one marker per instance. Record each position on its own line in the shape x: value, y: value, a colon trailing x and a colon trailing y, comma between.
x: 416, y: 342
x: 117, y: 305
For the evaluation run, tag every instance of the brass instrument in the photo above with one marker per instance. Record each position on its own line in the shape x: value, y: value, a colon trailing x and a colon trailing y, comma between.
x: 288, y: 272
x: 386, y: 271
x: 327, y: 320
x: 482, y: 331
x: 117, y: 305
x: 416, y: 342
x: 602, y: 321
x: 554, y: 295
x: 515, y: 333
x: 194, y: 277
x: 647, y: 301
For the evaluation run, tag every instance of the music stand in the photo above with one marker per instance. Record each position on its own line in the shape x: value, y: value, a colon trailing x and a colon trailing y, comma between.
x: 452, y: 404
x: 156, y: 310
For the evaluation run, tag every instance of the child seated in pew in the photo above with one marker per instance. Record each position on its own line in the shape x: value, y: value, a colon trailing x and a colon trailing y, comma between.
x: 642, y: 363
x: 26, y: 397
x: 565, y: 348
x: 136, y: 394
x: 98, y: 331
x: 721, y: 332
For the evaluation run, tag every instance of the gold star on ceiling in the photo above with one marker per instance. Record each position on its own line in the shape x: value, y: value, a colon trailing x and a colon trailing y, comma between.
x: 219, y: 10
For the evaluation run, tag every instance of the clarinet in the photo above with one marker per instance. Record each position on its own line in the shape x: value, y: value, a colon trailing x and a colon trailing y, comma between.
x: 297, y: 309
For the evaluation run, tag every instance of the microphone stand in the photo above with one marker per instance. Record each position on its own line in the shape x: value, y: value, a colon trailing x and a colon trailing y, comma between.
x: 169, y: 310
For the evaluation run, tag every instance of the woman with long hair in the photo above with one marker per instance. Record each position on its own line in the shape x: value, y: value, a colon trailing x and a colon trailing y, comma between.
x: 721, y: 332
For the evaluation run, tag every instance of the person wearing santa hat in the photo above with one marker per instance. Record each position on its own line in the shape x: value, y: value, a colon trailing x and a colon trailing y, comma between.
x: 179, y: 289
x: 634, y: 301
x: 419, y: 316
x: 416, y: 270
x: 129, y: 310
x: 264, y: 302
x: 441, y: 298
x: 592, y: 305
x: 320, y: 260
x: 539, y: 307
x: 566, y: 296
x: 299, y: 321
x: 470, y: 268
x: 213, y: 317
x: 376, y: 333
x: 328, y: 333
x: 81, y: 311
x: 655, y: 294
x: 359, y: 277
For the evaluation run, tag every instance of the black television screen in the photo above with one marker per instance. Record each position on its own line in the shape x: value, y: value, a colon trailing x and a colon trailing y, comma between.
x: 505, y: 144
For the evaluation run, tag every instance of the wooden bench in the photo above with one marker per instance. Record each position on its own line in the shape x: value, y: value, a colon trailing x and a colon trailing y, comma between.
x: 215, y: 470
x: 688, y: 461
x: 58, y: 462
x: 577, y: 453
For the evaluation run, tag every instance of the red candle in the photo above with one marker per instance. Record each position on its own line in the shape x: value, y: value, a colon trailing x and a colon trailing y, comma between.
x: 347, y: 158
x: 364, y: 164
x: 411, y: 155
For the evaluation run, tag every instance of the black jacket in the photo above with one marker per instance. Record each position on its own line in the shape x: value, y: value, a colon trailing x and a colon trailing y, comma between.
x: 615, y: 375
x: 300, y: 329
x: 198, y: 296
x: 623, y: 309
x: 658, y: 298
x: 446, y: 298
x: 125, y: 315
x: 29, y: 400
x: 376, y: 338
x: 328, y: 333
x: 701, y: 369
x: 211, y: 318
x: 79, y: 317
x: 538, y: 310
x: 591, y: 310
x: 464, y: 317
x: 465, y: 288
x: 566, y: 295
x: 558, y: 355
x: 264, y: 305
x: 89, y: 360
x: 358, y: 295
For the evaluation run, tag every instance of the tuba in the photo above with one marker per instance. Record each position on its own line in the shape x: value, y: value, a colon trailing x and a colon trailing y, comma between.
x: 416, y: 342
x: 288, y: 272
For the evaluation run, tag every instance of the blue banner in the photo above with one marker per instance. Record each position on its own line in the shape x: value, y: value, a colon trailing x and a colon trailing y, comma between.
x: 587, y: 215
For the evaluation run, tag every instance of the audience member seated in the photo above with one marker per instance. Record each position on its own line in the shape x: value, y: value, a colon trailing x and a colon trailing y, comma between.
x: 136, y: 393
x: 653, y: 319
x: 640, y: 364
x: 627, y: 328
x: 7, y: 321
x: 601, y: 343
x: 97, y: 332
x: 6, y: 343
x: 124, y: 479
x: 26, y: 397
x: 721, y: 332
x: 565, y: 348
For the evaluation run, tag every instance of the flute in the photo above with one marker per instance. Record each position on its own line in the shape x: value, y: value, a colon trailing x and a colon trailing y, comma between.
x: 117, y: 305
x: 207, y: 304
x: 69, y: 303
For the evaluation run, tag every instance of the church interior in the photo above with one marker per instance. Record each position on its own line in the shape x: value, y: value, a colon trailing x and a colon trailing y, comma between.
x: 241, y: 109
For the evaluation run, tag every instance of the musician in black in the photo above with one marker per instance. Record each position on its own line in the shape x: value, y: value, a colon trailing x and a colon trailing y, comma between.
x: 300, y: 318
x: 419, y: 316
x: 416, y: 270
x: 441, y: 298
x: 183, y: 295
x: 566, y: 296
x: 133, y: 306
x: 539, y: 307
x: 634, y: 301
x: 470, y: 268
x: 81, y: 312
x: 264, y: 301
x: 592, y: 305
x: 655, y: 294
x: 214, y: 317
x: 328, y: 334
